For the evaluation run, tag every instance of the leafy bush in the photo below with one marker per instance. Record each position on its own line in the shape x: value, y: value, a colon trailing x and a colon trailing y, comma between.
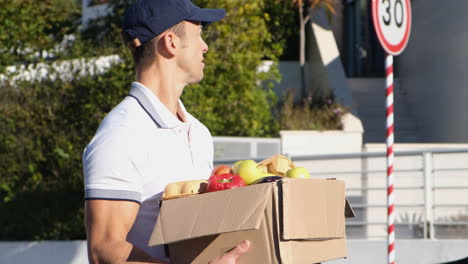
x: 314, y: 113
x: 45, y: 127
x: 30, y: 28
x: 453, y: 231
x: 234, y: 104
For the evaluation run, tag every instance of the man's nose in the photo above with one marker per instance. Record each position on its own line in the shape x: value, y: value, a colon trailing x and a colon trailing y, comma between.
x: 204, y: 47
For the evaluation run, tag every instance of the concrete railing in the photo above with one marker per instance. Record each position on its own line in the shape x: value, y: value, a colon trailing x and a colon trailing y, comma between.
x: 429, y: 184
x: 429, y: 181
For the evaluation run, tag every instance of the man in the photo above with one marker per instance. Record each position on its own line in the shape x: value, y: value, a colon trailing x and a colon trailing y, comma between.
x: 149, y: 139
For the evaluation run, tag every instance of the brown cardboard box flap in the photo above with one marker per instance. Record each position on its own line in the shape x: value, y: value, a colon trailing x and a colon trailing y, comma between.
x: 319, y: 215
x: 211, y: 213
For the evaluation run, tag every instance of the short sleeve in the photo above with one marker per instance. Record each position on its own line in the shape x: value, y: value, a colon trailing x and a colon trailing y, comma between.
x: 108, y: 167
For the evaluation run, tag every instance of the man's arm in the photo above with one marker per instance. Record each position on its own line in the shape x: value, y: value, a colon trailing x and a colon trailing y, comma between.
x: 107, y: 225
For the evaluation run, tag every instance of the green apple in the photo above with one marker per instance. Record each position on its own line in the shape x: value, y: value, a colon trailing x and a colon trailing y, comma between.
x: 298, y: 172
x: 248, y: 171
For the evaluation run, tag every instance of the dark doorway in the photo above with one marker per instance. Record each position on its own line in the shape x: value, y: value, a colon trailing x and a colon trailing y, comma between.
x: 363, y: 55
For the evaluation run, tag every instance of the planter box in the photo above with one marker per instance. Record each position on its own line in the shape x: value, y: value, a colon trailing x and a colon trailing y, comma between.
x: 313, y: 142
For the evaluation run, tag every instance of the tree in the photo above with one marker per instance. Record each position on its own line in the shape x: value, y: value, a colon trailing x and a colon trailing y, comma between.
x: 235, y: 101
x: 304, y: 18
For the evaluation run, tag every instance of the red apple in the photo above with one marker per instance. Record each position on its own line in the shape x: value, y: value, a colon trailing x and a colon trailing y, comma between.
x: 221, y: 169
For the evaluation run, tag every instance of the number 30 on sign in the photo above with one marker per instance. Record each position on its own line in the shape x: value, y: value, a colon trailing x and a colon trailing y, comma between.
x: 392, y: 22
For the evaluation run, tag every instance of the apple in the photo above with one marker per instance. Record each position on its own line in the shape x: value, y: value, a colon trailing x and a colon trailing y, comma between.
x: 236, y: 166
x: 249, y: 171
x: 221, y: 169
x: 298, y: 172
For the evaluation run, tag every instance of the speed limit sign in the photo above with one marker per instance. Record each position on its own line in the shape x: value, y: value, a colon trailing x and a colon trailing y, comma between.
x: 392, y: 23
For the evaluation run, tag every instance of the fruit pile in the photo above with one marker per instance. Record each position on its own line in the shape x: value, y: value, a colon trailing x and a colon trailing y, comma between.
x: 242, y: 173
x: 247, y: 172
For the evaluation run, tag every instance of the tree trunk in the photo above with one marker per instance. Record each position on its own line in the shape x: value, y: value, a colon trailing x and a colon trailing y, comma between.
x: 302, y: 48
x: 302, y: 36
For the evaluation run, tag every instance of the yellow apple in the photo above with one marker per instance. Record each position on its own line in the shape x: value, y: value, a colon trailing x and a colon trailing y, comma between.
x: 298, y: 172
x: 248, y: 171
x: 235, y: 166
x: 238, y: 164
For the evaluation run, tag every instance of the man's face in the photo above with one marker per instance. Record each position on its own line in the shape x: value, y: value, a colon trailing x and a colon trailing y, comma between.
x: 190, y: 57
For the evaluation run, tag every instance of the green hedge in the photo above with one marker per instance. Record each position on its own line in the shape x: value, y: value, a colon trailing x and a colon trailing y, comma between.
x: 45, y: 126
x: 30, y: 26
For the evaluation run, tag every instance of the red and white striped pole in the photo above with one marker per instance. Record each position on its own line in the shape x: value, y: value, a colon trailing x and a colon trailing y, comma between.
x: 390, y: 158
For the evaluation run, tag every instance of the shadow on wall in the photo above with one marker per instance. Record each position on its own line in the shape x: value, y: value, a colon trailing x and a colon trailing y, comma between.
x: 326, y: 73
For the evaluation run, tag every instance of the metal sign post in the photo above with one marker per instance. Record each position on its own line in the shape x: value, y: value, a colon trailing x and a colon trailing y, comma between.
x: 390, y: 159
x: 392, y: 23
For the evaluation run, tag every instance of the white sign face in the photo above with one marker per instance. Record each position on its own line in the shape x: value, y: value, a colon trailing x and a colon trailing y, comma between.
x: 392, y: 23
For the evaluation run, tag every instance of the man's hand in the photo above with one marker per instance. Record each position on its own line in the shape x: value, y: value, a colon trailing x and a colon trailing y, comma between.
x: 233, y: 256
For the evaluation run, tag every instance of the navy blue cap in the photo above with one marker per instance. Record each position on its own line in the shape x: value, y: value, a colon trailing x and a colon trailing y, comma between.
x: 146, y: 19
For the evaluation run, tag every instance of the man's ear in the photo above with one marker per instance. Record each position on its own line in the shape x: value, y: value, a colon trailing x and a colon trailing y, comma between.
x: 170, y: 42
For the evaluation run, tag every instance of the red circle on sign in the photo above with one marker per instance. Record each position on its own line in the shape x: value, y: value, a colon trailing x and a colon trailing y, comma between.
x: 390, y: 48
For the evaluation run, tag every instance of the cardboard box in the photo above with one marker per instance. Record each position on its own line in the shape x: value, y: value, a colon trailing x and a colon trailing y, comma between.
x: 289, y: 221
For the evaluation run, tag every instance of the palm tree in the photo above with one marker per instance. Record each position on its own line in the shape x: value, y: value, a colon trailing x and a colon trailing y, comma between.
x: 304, y: 18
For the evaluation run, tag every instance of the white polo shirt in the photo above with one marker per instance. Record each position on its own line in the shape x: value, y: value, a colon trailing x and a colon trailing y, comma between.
x: 139, y: 148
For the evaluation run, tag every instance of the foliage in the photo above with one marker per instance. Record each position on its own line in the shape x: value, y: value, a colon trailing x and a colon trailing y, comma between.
x: 234, y: 104
x: 30, y: 29
x: 327, y: 5
x: 45, y: 127
x: 453, y: 230
x: 410, y: 225
x: 452, y: 226
x: 314, y: 113
x: 304, y: 18
x: 282, y: 19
